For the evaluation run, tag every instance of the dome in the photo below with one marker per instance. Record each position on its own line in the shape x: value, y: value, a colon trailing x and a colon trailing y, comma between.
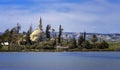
x: 35, y: 35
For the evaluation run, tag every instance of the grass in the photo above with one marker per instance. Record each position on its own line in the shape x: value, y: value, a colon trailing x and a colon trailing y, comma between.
x: 114, y: 46
x: 4, y: 48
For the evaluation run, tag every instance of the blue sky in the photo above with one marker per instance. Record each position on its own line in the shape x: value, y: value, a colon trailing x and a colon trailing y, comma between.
x: 99, y: 16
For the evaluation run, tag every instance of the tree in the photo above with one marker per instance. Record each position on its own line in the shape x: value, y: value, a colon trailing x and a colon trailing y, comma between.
x: 54, y: 43
x: 28, y: 38
x: 40, y: 24
x: 1, y: 40
x: 80, y: 40
x: 28, y: 35
x: 18, y: 27
x: 66, y: 38
x: 86, y: 45
x: 103, y: 45
x: 30, y: 29
x: 6, y: 35
x: 48, y: 27
x: 14, y: 34
x: 72, y: 44
x: 84, y: 36
x: 60, y: 34
x: 53, y: 34
x: 94, y: 38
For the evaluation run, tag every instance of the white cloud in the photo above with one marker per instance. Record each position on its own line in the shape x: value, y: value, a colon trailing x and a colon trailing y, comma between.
x: 92, y: 16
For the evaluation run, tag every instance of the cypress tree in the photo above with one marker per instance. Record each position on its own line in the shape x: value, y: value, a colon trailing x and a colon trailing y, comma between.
x: 48, y: 27
x: 60, y: 33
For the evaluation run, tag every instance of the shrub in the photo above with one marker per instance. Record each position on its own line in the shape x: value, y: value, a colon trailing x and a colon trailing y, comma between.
x: 97, y: 45
x: 4, y: 48
x: 86, y: 45
x: 72, y: 44
x: 102, y: 45
x: 48, y: 45
x: 80, y: 40
x: 22, y: 47
x: 94, y: 38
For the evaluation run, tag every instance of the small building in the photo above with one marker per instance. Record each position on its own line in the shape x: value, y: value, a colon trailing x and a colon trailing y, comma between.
x: 5, y: 43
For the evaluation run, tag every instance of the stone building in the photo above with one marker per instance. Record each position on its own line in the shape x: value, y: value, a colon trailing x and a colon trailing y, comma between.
x: 38, y: 34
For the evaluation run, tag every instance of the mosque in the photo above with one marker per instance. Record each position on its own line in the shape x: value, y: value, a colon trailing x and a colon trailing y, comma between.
x: 38, y: 34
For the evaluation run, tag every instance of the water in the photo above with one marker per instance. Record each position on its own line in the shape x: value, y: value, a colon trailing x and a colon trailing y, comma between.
x: 60, y: 61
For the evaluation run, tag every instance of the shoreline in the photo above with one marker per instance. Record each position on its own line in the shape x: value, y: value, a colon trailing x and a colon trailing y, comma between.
x: 63, y: 51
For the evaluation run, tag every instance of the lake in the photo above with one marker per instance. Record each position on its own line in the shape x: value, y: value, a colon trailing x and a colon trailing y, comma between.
x: 59, y: 60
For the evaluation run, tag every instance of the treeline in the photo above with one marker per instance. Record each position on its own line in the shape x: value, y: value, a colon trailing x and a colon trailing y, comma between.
x: 82, y: 43
x: 21, y: 41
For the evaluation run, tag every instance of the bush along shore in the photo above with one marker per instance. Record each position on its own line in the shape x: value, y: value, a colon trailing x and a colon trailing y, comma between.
x: 49, y: 48
x: 50, y: 41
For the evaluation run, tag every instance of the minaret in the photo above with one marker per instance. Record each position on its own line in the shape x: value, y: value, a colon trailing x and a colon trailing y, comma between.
x: 40, y: 24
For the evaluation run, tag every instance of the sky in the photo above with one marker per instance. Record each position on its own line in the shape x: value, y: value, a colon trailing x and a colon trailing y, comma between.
x: 93, y: 16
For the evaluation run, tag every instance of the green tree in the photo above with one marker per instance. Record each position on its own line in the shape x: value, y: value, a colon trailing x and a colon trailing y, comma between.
x: 14, y: 34
x: 6, y: 35
x: 1, y: 39
x: 94, y: 40
x: 48, y: 27
x: 72, y: 44
x: 29, y: 30
x: 84, y: 36
x: 60, y: 34
x: 18, y: 27
x: 53, y: 34
x: 86, y: 45
x: 28, y: 35
x: 80, y: 40
x: 66, y: 38
x: 103, y: 45
x: 54, y: 43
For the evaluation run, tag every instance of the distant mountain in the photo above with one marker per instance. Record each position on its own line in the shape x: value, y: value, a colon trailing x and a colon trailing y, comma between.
x: 113, y: 37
